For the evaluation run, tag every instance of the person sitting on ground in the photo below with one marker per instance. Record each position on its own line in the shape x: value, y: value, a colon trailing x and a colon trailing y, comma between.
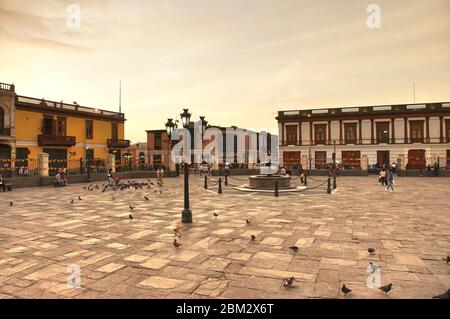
x: 283, y: 171
x: 59, y: 181
x: 63, y: 176
x: 2, y: 183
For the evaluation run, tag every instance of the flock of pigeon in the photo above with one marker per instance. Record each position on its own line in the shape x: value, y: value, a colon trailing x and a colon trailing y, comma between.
x: 286, y: 283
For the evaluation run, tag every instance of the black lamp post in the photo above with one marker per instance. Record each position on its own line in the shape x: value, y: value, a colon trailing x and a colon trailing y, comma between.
x: 170, y: 126
x: 334, y: 165
x: 204, y: 126
x: 186, y: 214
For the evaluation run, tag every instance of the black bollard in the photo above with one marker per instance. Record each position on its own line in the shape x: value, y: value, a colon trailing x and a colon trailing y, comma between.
x: 226, y: 180
x: 329, y: 186
x: 206, y: 182
x: 276, y: 188
x: 334, y: 181
x: 306, y: 181
x: 219, y: 191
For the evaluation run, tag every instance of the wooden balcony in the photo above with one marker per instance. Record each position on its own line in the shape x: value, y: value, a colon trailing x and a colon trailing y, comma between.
x: 5, y: 132
x: 116, y: 143
x: 53, y: 140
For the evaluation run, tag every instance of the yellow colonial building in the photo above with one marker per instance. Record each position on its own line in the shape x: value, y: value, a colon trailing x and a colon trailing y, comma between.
x: 69, y: 133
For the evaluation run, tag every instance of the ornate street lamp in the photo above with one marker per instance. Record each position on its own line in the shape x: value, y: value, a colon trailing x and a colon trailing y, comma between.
x: 185, y: 118
x: 169, y: 127
x: 186, y: 214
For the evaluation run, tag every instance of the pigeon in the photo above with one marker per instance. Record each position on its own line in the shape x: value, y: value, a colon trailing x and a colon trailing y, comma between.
x: 71, y: 201
x: 371, y: 250
x: 146, y: 198
x: 294, y: 249
x: 160, y: 192
x: 113, y: 198
x: 79, y: 198
x: 253, y: 237
x: 131, y: 207
x: 84, y: 187
x: 130, y: 216
x: 374, y: 266
x: 176, y: 244
x: 11, y: 204
x: 386, y: 288
x: 448, y: 259
x: 445, y: 295
x: 287, y: 283
x: 247, y: 221
x: 215, y: 215
x: 345, y: 290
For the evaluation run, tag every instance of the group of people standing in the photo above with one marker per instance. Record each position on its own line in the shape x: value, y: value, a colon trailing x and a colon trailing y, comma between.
x: 386, y: 177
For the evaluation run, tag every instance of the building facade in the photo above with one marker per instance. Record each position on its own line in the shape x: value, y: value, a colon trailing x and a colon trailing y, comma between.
x: 413, y: 135
x: 139, y: 154
x: 69, y: 133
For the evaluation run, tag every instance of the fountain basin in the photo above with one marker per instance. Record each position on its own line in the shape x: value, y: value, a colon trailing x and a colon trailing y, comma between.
x: 268, y: 182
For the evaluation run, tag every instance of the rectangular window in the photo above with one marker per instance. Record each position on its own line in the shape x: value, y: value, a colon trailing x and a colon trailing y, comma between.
x: 158, y: 141
x: 351, y: 159
x: 382, y: 132
x: 89, y: 129
x: 291, y: 134
x: 61, y: 126
x: 48, y: 126
x: 114, y: 133
x: 416, y: 131
x: 320, y: 133
x: 447, y: 130
x: 350, y: 133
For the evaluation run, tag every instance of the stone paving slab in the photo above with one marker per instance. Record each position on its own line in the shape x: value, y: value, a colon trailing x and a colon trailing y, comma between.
x: 42, y: 234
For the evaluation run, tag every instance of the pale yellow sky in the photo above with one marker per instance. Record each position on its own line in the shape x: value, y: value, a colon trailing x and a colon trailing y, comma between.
x: 236, y: 61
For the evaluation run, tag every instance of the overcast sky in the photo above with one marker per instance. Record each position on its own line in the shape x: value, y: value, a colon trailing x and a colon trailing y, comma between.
x: 235, y: 61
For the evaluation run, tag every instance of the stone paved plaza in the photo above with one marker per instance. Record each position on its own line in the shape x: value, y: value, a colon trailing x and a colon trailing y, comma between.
x: 43, y: 233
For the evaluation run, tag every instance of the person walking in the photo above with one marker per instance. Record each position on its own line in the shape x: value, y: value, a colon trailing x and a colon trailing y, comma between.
x: 382, y: 179
x: 390, y: 181
x: 2, y: 183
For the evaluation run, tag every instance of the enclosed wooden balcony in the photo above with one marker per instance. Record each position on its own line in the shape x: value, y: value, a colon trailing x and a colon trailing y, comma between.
x: 117, y: 143
x: 53, y: 140
x: 5, y: 132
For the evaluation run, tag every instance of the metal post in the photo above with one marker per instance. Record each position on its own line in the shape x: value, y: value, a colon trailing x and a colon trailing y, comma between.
x: 219, y: 190
x: 276, y: 188
x: 329, y: 186
x: 89, y: 170
x: 334, y: 166
x: 306, y: 180
x: 186, y: 215
x: 81, y: 166
x: 309, y: 171
x: 206, y: 182
x: 226, y: 180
